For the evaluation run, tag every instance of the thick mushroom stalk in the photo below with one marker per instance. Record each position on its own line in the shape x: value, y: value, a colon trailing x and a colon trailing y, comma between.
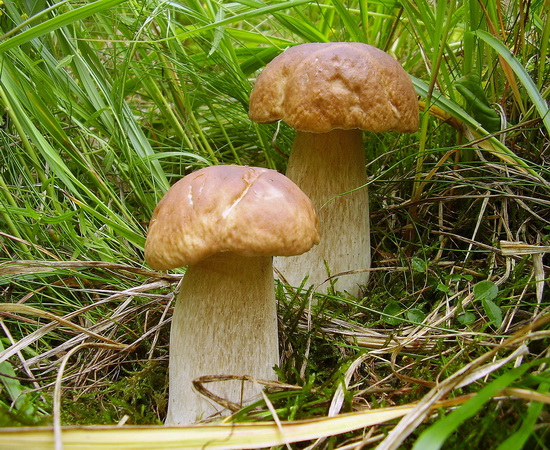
x: 330, y: 169
x: 223, y: 324
x: 225, y: 223
x: 322, y: 90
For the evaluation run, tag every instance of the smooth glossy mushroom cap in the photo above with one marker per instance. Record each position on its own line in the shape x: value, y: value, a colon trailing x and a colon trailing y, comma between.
x: 318, y: 87
x: 245, y: 210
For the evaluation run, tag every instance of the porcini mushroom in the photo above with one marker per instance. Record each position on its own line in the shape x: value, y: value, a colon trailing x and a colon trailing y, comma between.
x: 225, y: 223
x: 329, y: 92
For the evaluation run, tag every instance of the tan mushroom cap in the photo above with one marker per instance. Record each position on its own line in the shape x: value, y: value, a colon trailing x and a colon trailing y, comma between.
x: 318, y: 87
x: 246, y: 210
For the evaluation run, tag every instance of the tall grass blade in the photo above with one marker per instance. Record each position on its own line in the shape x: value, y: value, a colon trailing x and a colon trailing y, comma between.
x: 531, y: 88
x: 490, y: 144
x: 260, y: 10
x: 62, y: 20
x: 434, y: 437
x: 518, y: 439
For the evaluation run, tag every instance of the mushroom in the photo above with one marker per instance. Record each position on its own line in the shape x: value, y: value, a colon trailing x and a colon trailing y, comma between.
x: 225, y: 223
x: 329, y: 92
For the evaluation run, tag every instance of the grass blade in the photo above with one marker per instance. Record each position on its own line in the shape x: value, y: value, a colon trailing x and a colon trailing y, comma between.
x: 58, y: 22
x: 534, y: 94
x: 259, y: 11
x: 220, y: 436
x: 490, y: 144
x: 434, y: 437
x: 518, y: 440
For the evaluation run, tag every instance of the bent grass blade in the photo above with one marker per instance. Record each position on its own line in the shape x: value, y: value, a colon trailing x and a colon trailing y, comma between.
x: 220, y: 436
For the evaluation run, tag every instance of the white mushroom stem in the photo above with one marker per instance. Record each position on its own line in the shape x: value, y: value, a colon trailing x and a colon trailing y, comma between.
x: 324, y: 166
x: 224, y: 323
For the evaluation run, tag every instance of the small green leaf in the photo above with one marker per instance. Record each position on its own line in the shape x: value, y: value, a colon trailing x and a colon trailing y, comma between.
x: 466, y: 318
x: 485, y: 290
x: 392, y: 310
x: 443, y: 288
x: 419, y: 265
x: 416, y: 315
x: 493, y: 312
x: 16, y: 392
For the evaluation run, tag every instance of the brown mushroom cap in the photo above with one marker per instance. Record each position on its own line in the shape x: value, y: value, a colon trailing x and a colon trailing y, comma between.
x: 318, y: 87
x: 246, y: 210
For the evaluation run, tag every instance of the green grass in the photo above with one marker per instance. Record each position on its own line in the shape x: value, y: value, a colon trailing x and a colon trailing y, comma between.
x: 105, y: 104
